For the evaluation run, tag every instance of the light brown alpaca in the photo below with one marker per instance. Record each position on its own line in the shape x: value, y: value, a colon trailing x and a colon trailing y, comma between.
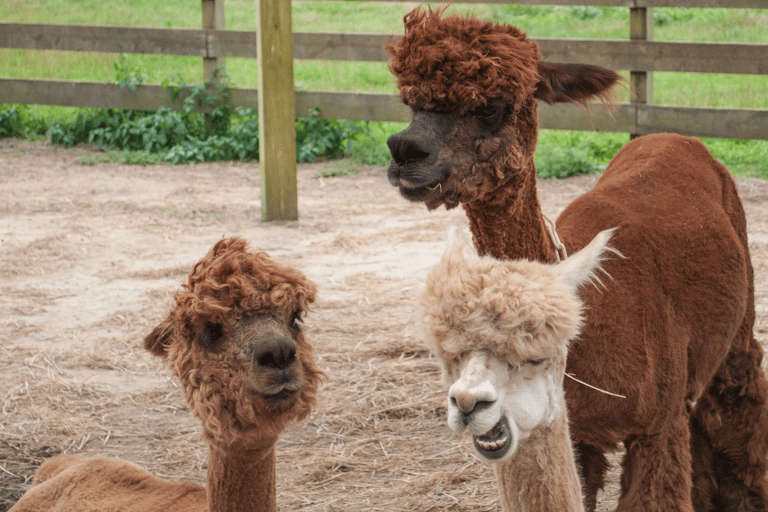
x: 673, y: 332
x: 233, y: 340
x: 500, y: 330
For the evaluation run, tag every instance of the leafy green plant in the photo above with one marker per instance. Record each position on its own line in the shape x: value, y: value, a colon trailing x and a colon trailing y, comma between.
x: 11, y: 123
x: 212, y: 97
x: 127, y: 75
x: 562, y: 154
x: 18, y: 120
x: 316, y: 137
x: 559, y: 162
x: 76, y: 131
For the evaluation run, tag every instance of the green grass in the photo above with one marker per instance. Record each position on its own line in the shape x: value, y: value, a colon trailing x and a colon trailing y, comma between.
x: 686, y: 89
x: 126, y: 157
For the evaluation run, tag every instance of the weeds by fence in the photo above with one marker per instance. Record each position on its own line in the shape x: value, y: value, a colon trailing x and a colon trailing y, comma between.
x: 639, y: 55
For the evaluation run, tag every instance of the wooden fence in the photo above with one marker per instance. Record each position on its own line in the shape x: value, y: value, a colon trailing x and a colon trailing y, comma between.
x: 639, y: 54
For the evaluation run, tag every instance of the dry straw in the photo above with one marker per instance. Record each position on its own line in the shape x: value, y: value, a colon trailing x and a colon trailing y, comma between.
x: 376, y: 442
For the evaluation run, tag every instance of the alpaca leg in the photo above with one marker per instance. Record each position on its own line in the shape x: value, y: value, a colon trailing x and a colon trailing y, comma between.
x: 733, y: 415
x: 656, y: 471
x: 592, y: 466
x: 703, y: 475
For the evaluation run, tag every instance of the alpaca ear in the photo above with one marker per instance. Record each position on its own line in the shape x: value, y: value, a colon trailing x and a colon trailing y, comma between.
x: 582, y: 267
x: 575, y: 83
x: 159, y: 339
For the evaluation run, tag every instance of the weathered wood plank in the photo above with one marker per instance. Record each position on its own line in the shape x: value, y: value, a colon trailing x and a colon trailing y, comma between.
x: 342, y: 46
x: 740, y: 4
x: 83, y: 94
x: 277, y: 110
x: 702, y: 122
x: 85, y: 38
x: 640, y: 82
x: 743, y: 58
x: 354, y: 106
x: 649, y: 56
x: 213, y: 21
x: 597, y: 118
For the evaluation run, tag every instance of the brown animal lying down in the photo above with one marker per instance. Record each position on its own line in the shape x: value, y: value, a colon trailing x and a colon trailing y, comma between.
x: 672, y: 331
x: 234, y: 341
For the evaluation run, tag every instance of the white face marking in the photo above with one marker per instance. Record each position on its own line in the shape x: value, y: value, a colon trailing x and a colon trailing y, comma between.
x: 499, y: 403
x: 480, y: 305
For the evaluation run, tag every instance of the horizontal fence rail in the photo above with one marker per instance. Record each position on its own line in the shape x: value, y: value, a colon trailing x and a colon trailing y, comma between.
x: 638, y: 55
x: 736, y: 4
x: 626, y: 117
x: 743, y: 58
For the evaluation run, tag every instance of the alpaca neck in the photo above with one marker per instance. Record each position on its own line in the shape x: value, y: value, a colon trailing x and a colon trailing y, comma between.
x: 510, y: 224
x: 542, y: 476
x: 241, y: 480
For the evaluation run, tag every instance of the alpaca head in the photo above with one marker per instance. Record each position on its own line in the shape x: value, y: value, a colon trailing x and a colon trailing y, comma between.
x: 473, y: 88
x: 500, y: 330
x: 234, y: 340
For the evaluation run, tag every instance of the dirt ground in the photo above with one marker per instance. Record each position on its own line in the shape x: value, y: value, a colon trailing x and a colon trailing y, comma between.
x: 90, y: 257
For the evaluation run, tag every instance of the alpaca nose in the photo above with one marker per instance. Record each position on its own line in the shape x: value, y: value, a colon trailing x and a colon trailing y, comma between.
x: 468, y: 405
x: 275, y: 352
x: 422, y: 139
x: 407, y: 149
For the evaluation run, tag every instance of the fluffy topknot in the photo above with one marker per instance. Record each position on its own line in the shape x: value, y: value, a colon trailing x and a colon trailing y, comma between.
x: 514, y: 309
x: 461, y: 62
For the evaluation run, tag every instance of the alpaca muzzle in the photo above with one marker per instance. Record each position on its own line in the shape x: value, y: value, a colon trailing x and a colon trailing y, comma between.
x: 276, y: 367
x: 415, y: 152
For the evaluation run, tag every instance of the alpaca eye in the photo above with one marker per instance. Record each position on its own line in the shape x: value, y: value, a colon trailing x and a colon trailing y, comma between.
x: 490, y: 118
x: 485, y: 112
x: 535, y: 362
x: 296, y: 320
x: 209, y: 335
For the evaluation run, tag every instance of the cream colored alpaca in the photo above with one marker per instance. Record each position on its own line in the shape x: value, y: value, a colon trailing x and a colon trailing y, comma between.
x: 500, y: 330
x: 234, y: 342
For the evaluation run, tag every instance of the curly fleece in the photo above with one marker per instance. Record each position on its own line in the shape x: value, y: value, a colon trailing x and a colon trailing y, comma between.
x: 461, y: 62
x: 517, y: 310
x: 226, y: 284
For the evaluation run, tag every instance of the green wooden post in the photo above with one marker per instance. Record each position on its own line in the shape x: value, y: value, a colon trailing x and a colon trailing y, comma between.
x: 213, y: 19
x: 640, y: 82
x: 277, y: 111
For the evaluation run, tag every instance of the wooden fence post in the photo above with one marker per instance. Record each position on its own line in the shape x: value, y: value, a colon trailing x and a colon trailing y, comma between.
x: 213, y: 19
x: 277, y: 111
x: 640, y: 82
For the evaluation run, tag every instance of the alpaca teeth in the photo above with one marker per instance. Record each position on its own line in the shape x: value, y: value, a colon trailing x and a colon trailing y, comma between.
x: 492, y: 445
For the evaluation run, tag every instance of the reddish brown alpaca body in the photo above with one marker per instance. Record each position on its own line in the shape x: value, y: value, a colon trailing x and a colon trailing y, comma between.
x: 672, y: 329
x: 233, y: 341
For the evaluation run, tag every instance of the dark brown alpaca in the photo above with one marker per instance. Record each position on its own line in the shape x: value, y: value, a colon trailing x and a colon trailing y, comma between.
x: 672, y: 329
x: 233, y: 341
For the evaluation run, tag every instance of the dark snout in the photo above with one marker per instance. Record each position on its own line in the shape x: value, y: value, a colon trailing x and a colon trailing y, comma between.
x: 416, y: 148
x: 411, y: 145
x: 275, y: 353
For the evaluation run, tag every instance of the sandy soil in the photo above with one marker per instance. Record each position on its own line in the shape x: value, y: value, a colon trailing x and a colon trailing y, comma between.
x: 90, y: 257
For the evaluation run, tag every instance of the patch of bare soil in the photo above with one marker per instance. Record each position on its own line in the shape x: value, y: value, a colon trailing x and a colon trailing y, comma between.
x: 90, y: 257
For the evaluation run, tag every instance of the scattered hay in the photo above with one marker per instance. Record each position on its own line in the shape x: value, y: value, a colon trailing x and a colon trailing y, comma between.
x: 377, y: 440
x: 38, y: 257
